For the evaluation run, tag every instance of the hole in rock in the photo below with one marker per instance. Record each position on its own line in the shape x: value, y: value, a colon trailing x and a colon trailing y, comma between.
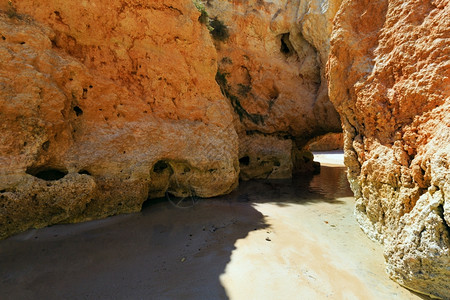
x: 286, y: 46
x: 244, y: 160
x: 3, y: 38
x: 84, y: 172
x: 22, y: 43
x: 48, y: 174
x: 160, y: 166
x: 78, y: 111
x: 46, y: 145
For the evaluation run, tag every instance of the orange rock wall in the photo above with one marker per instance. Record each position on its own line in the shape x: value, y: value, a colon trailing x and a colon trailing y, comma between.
x: 104, y: 104
x: 272, y: 70
x: 107, y: 103
x: 389, y: 78
x: 115, y: 100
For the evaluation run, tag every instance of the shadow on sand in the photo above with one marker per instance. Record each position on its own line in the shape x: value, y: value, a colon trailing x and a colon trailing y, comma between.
x: 163, y: 252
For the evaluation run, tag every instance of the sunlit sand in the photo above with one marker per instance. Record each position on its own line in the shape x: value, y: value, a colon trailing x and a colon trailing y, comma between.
x: 283, y: 239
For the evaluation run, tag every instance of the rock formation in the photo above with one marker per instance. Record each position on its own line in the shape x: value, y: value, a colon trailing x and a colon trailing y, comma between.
x: 272, y: 58
x: 326, y: 142
x: 389, y: 77
x: 104, y: 104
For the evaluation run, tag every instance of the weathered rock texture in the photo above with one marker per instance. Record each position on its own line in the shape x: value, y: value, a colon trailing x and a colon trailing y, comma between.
x: 105, y: 103
x: 389, y: 75
x: 326, y: 142
x: 272, y: 57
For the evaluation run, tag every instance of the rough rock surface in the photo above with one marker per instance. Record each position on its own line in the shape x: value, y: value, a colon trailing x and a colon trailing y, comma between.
x: 326, y: 142
x: 389, y: 76
x: 272, y: 57
x: 105, y: 103
x: 265, y: 157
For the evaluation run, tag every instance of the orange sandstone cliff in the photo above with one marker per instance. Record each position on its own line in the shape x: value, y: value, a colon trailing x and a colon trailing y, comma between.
x: 389, y: 77
x: 272, y: 70
x: 107, y: 103
x: 104, y: 104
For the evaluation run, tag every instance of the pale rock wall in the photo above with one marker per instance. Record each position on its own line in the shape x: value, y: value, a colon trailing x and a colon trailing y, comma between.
x: 104, y: 104
x: 272, y: 70
x: 389, y: 78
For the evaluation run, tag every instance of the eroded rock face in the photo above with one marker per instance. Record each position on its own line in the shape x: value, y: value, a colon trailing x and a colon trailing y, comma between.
x: 121, y: 101
x: 327, y: 142
x: 105, y: 103
x: 272, y: 57
x: 389, y: 77
x: 265, y: 157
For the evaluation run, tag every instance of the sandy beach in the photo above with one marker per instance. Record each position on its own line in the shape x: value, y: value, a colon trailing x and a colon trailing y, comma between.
x: 279, y: 239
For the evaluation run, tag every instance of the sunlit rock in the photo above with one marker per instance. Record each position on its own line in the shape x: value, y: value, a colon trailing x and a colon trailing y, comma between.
x: 389, y: 78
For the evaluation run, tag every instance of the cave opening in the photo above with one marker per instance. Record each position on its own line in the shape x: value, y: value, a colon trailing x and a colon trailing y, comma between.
x: 47, y: 173
x: 286, y: 47
x: 244, y: 160
x: 78, y: 111
x: 160, y: 166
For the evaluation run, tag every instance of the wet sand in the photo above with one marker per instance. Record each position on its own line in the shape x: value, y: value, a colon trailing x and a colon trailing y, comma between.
x: 283, y: 239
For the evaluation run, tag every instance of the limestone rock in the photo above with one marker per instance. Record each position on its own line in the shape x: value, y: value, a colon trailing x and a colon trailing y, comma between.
x: 265, y: 157
x: 389, y: 77
x: 103, y: 104
x: 326, y: 142
x: 271, y: 67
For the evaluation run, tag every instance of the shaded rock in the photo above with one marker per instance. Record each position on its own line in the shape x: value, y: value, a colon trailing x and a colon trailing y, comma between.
x: 36, y: 203
x: 272, y: 66
x: 326, y: 142
x: 265, y: 157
